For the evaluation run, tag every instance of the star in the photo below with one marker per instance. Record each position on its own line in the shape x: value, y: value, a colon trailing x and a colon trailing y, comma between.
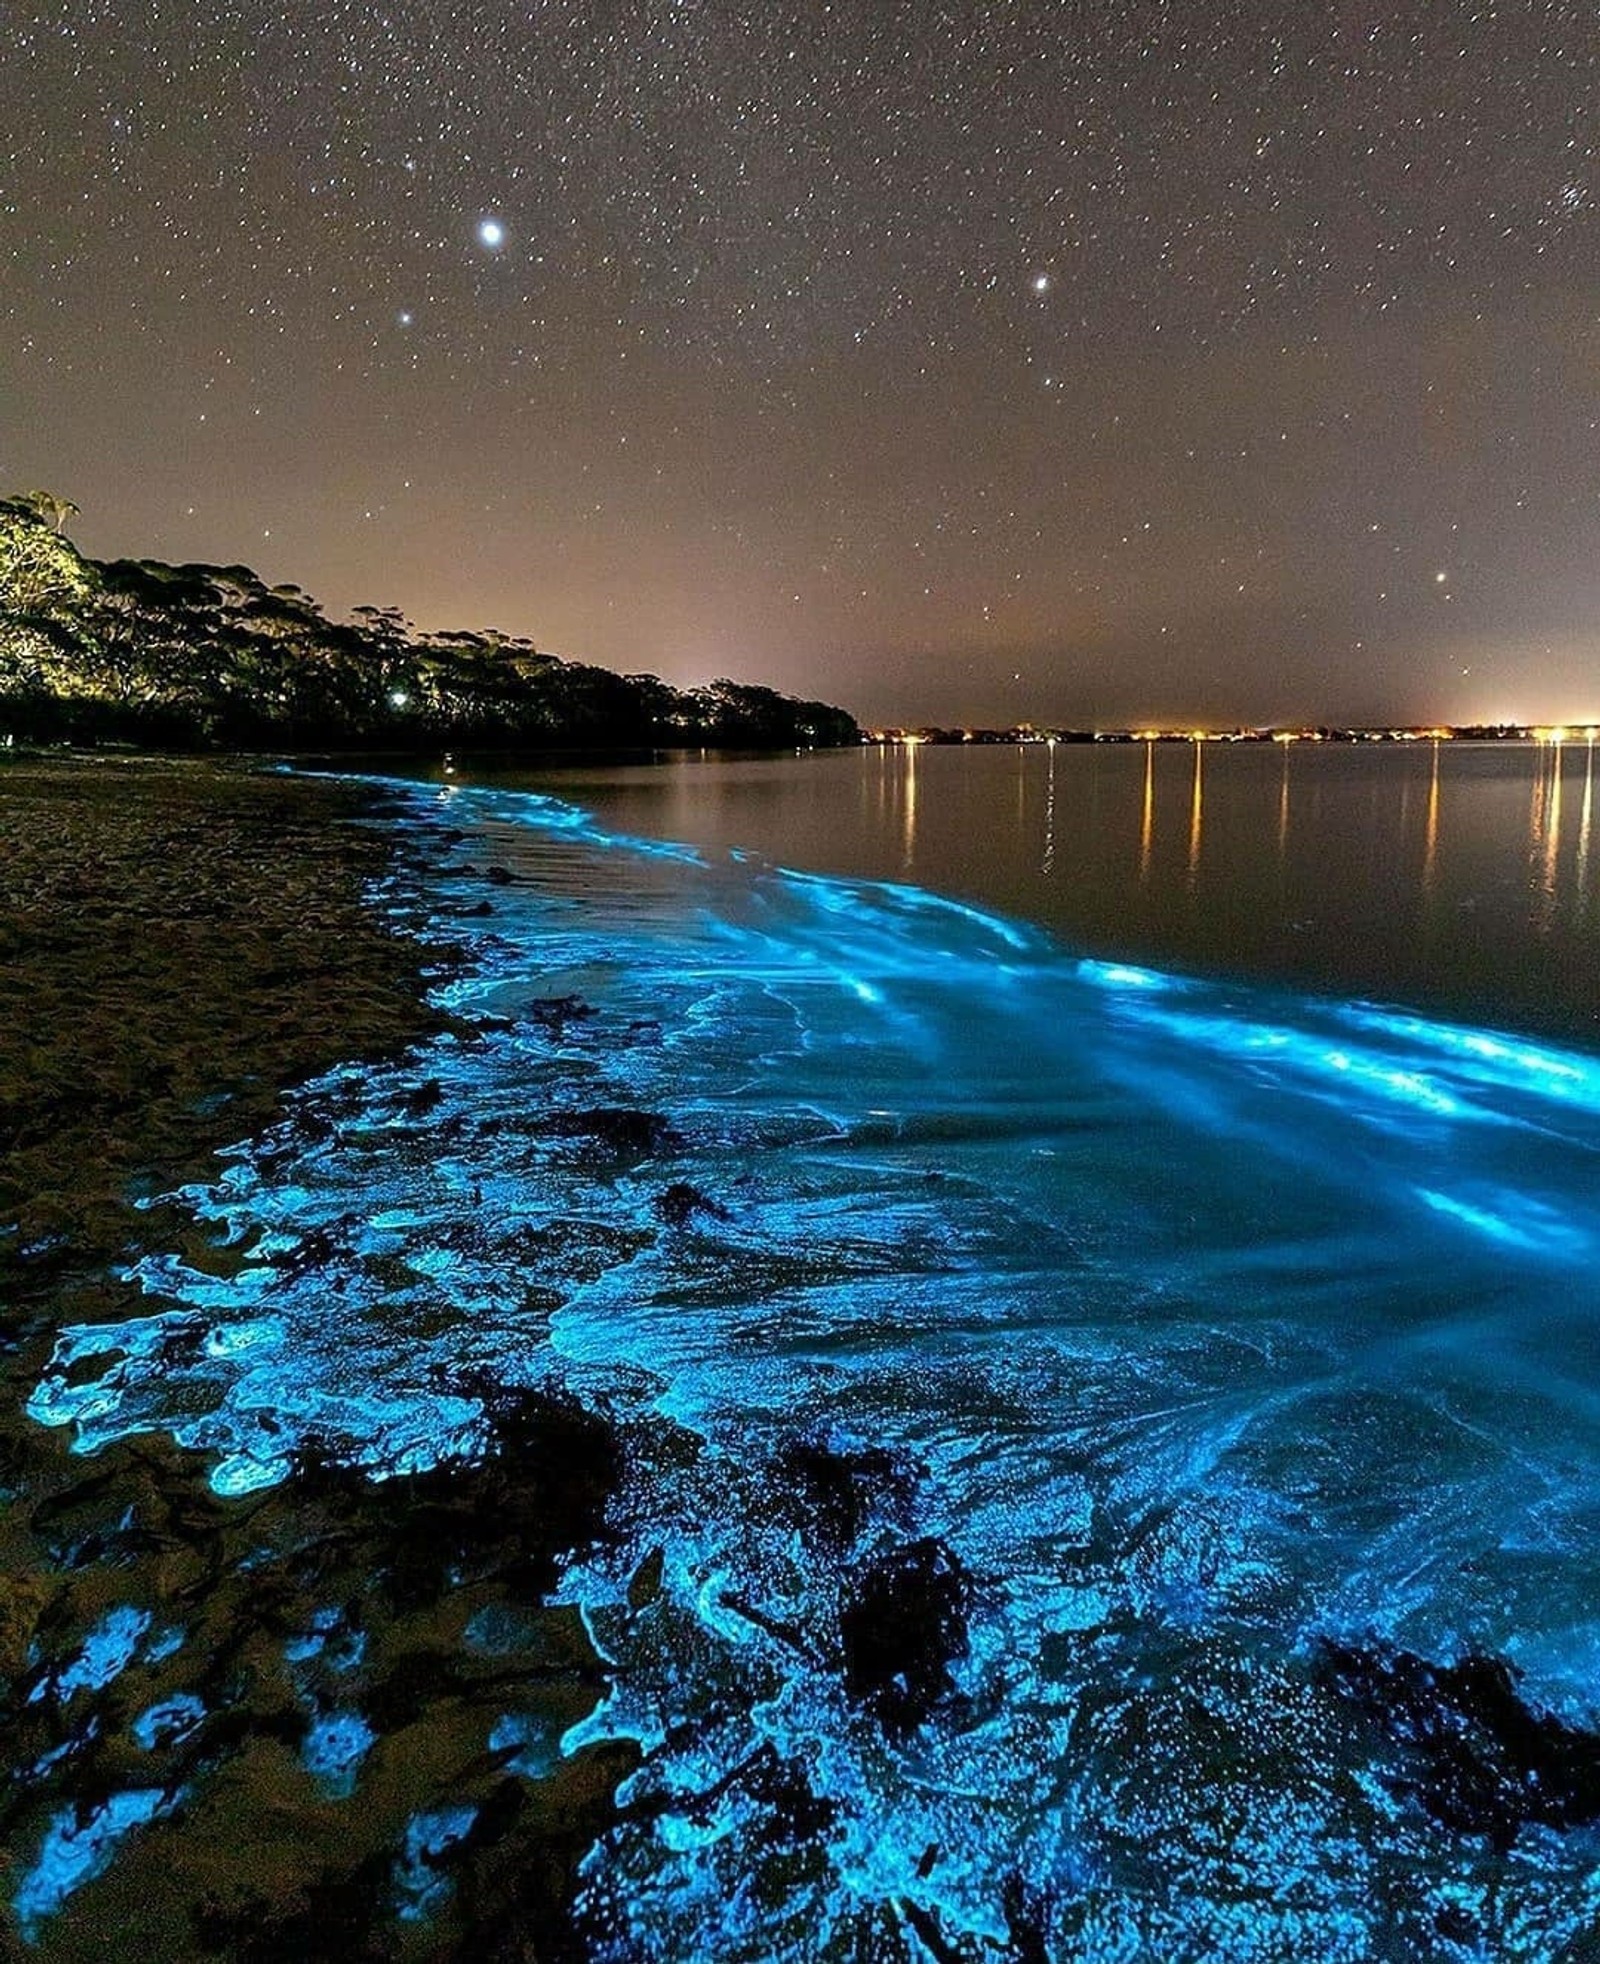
x: 722, y: 233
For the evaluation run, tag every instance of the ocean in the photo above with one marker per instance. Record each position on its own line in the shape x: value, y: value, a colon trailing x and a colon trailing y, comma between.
x: 1092, y: 1252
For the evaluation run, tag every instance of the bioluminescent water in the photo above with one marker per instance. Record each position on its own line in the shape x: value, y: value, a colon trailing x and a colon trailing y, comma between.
x: 1081, y: 1419
x: 1460, y: 876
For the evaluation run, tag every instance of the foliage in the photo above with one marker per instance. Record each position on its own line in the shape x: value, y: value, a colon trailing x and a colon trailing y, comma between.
x: 210, y: 656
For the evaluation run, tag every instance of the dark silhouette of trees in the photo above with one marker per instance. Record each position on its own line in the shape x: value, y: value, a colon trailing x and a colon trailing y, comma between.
x: 199, y: 656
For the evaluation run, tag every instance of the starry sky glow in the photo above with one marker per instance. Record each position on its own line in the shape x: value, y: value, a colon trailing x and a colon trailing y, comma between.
x: 1081, y: 362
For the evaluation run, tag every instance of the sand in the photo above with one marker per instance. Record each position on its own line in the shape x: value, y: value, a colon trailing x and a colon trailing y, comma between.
x: 179, y: 942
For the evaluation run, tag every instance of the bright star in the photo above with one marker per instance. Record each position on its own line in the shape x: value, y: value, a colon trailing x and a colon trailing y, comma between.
x: 1041, y: 282
x: 491, y: 234
x: 405, y: 317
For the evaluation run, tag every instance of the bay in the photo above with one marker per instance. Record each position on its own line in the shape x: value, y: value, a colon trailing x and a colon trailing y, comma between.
x: 1104, y: 1362
x: 1458, y: 877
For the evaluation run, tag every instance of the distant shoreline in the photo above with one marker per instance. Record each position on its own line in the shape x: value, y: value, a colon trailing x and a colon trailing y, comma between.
x: 1257, y: 733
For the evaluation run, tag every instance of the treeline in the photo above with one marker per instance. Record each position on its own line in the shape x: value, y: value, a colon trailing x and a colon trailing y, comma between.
x: 210, y: 657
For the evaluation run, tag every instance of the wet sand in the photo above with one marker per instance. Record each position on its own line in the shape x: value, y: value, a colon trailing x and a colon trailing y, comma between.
x: 179, y: 943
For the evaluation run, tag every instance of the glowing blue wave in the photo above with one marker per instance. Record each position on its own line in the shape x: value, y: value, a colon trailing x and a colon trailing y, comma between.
x: 1191, y: 1323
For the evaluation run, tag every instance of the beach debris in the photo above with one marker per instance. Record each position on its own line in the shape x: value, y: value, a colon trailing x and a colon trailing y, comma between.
x: 903, y: 1621
x: 1482, y: 1759
x: 678, y: 1205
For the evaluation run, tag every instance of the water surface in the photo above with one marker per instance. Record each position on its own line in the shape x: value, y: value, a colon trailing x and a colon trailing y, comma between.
x: 1191, y: 1365
x: 1455, y: 876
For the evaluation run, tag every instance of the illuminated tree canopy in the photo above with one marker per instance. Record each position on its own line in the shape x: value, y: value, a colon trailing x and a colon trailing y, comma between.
x: 201, y: 656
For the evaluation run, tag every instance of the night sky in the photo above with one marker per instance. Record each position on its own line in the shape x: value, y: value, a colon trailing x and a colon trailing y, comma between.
x: 954, y: 362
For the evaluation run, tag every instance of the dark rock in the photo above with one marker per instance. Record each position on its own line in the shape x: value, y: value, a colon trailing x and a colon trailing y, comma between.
x: 616, y: 1130
x: 845, y: 1489
x: 795, y: 1814
x: 337, y: 1920
x: 539, y: 1490
x: 573, y: 1250
x: 1027, y: 1913
x: 930, y: 1932
x: 645, y: 1585
x: 902, y: 1622
x: 499, y: 876
x: 877, y: 1937
x: 554, y: 1013
x: 1478, y: 1757
x: 424, y: 1098
x: 318, y: 1248
x: 1456, y: 1925
x: 678, y: 1204
x: 514, y: 1875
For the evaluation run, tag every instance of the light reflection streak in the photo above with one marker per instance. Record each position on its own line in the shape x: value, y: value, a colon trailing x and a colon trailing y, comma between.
x: 1283, y: 808
x: 1022, y: 795
x: 1148, y: 818
x: 1536, y: 812
x: 1430, y: 847
x: 1585, y: 819
x: 1549, y: 880
x: 908, y: 792
x: 1048, y: 865
x: 1196, y: 811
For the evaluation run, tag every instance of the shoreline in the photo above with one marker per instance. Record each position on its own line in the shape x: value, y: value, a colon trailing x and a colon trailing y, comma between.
x: 160, y: 922
x: 642, y: 1289
x: 182, y: 942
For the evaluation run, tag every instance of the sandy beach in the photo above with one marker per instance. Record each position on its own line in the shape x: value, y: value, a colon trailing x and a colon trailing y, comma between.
x: 180, y: 942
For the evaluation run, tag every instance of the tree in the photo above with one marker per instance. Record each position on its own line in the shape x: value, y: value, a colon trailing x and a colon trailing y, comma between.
x: 47, y: 507
x: 38, y: 567
x: 198, y: 655
x: 42, y: 584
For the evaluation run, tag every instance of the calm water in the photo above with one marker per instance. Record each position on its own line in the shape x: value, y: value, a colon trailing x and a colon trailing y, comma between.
x: 1080, y: 1422
x: 1453, y: 877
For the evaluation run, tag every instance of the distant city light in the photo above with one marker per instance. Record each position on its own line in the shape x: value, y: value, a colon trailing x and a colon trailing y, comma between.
x: 1503, y: 729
